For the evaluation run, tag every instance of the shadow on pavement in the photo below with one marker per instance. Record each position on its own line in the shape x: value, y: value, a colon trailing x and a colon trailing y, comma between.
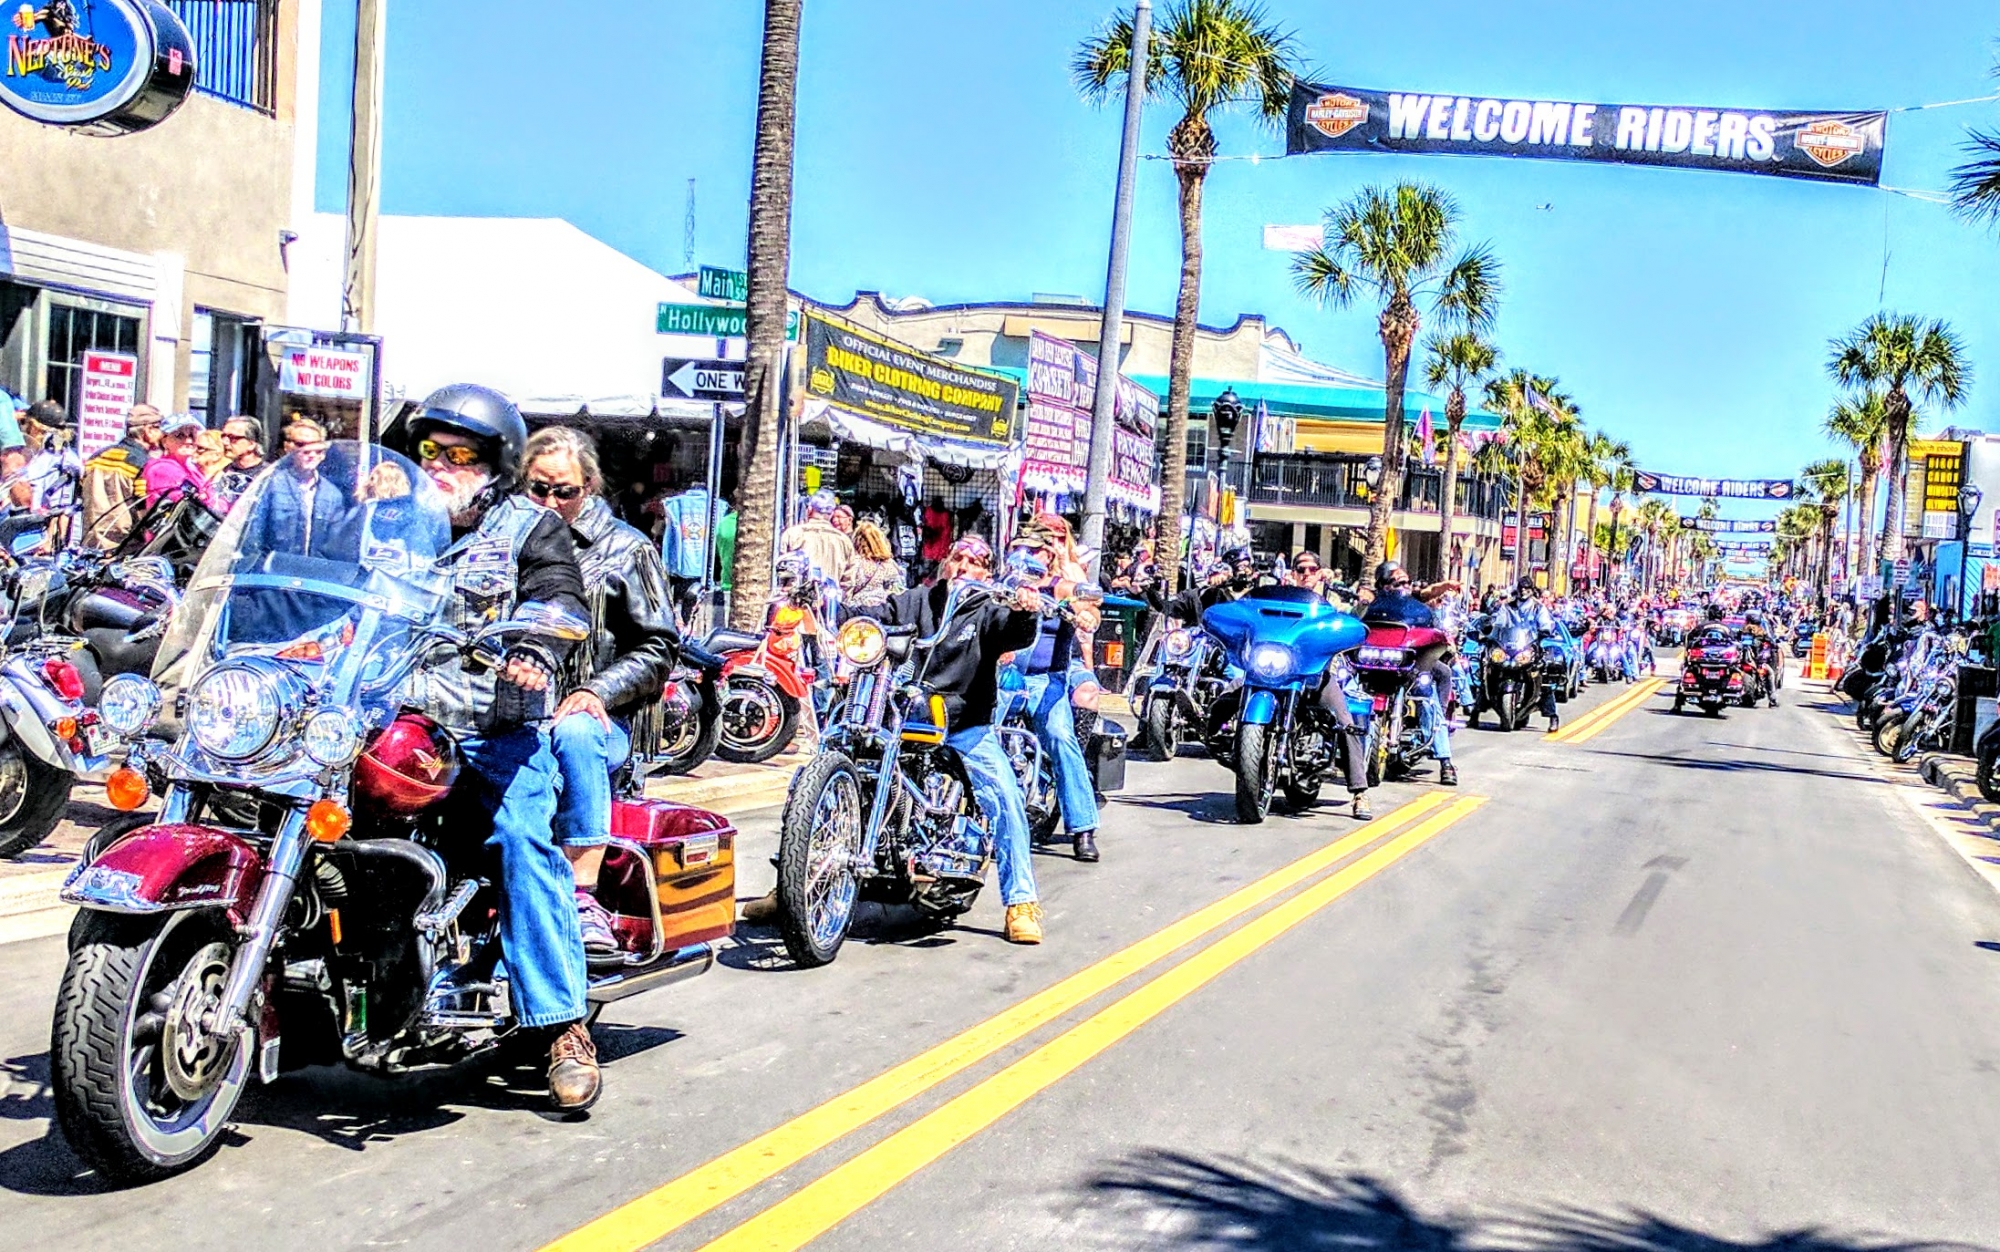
x: 1171, y: 1199
x: 1766, y: 767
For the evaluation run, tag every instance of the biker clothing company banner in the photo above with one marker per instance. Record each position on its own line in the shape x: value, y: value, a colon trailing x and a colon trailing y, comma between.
x: 1843, y: 147
x: 1733, y: 488
x: 1062, y: 386
x: 1728, y: 525
x: 897, y: 385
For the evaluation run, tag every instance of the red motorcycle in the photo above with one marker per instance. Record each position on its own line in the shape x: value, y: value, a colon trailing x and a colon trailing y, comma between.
x: 766, y: 681
x: 1394, y: 666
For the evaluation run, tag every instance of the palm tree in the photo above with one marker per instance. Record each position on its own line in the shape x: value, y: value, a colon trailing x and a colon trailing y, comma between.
x: 770, y: 255
x: 1902, y: 356
x: 1608, y: 457
x: 1529, y: 431
x: 1830, y: 485
x: 1862, y: 423
x: 1458, y: 363
x: 1657, y: 521
x: 1206, y: 55
x: 1975, y: 185
x: 1397, y: 243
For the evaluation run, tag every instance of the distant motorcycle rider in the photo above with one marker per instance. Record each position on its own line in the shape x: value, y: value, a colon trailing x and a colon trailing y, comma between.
x: 1764, y: 649
x: 1230, y: 578
x: 1395, y: 602
x: 507, y: 552
x: 1527, y: 609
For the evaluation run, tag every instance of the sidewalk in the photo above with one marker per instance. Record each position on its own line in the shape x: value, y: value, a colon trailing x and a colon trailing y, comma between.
x: 29, y: 908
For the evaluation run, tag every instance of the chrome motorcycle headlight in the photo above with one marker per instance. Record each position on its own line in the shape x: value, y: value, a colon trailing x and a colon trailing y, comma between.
x: 1271, y: 661
x: 331, y: 737
x: 862, y: 642
x: 1500, y: 655
x: 129, y: 705
x: 1179, y: 643
x: 234, y: 712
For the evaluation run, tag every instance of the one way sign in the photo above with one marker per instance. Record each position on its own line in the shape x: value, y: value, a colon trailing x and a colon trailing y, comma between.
x: 703, y: 380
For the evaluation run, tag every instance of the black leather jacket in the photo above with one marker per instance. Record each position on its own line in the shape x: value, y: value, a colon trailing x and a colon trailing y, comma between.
x: 634, y: 639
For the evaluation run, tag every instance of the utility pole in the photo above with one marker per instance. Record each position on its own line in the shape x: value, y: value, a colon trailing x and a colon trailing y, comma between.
x: 364, y: 169
x: 1111, y: 329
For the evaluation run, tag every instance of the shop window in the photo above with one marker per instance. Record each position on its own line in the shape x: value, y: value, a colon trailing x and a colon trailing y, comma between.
x: 73, y: 332
x: 235, y: 49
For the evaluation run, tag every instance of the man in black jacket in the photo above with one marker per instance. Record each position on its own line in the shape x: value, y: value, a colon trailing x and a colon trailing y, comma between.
x: 622, y: 669
x: 964, y: 669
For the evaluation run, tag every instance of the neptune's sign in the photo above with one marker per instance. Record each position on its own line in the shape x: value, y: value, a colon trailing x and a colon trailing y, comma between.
x: 105, y: 67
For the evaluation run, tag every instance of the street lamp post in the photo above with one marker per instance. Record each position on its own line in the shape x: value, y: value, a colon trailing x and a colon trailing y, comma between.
x: 1611, y: 578
x: 1969, y: 496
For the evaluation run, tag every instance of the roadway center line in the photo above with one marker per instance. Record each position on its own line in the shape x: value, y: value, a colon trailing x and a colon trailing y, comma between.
x: 821, y: 1205
x: 1610, y: 711
x: 652, y: 1216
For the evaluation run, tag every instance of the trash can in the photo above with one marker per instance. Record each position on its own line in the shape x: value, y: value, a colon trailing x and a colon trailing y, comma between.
x: 1118, y: 640
x: 1974, y: 683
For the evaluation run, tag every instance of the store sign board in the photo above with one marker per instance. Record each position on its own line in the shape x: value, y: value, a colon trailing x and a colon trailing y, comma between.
x: 326, y: 372
x: 1842, y: 147
x: 108, y: 389
x: 108, y: 67
x: 893, y: 383
x: 1062, y: 391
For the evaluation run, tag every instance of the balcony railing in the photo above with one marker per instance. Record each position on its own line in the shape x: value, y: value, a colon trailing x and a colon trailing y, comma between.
x: 1308, y: 480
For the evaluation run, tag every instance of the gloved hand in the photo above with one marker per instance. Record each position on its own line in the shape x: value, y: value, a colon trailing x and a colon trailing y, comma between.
x: 526, y: 688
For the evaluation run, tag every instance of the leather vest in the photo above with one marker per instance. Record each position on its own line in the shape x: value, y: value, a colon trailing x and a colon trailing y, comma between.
x: 484, y: 567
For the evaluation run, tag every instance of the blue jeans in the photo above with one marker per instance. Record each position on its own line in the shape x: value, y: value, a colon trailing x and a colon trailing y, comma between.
x: 1436, y: 726
x: 998, y: 792
x: 1055, y: 725
x: 588, y: 753
x: 517, y: 781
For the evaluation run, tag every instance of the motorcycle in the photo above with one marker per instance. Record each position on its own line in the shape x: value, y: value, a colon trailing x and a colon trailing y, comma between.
x: 1710, y: 673
x: 766, y: 680
x: 314, y: 889
x: 1393, y: 664
x: 1283, y: 638
x: 1514, y: 675
x: 1606, y: 656
x: 1182, y: 695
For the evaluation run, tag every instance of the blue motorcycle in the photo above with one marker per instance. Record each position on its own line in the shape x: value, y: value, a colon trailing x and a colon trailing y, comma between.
x: 1283, y: 639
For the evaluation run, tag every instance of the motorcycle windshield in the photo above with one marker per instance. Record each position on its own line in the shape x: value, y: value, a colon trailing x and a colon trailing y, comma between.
x: 1312, y: 630
x: 329, y: 562
x: 1517, y: 639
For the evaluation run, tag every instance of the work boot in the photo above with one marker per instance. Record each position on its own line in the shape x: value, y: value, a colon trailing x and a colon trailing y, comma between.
x: 1024, y: 923
x: 574, y: 1081
x: 1086, y: 845
x: 600, y: 942
x: 1447, y: 775
x: 1362, y: 812
x: 763, y: 910
x: 1774, y: 699
x: 1555, y: 722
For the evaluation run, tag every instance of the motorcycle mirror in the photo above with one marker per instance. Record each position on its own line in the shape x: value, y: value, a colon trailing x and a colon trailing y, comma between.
x: 1089, y: 593
x: 552, y: 621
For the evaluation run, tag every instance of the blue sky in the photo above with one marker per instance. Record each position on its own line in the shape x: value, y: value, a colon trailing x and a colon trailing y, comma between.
x: 942, y: 152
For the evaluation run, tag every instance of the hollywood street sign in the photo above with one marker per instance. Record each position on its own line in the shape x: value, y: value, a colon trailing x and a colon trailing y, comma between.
x: 703, y: 380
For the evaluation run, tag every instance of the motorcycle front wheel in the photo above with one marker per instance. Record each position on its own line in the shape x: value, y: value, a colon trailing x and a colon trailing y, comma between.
x: 141, y: 1092
x: 819, y: 836
x: 1888, y: 732
x: 1163, y: 728
x: 1514, y: 707
x: 757, y: 721
x: 1256, y: 773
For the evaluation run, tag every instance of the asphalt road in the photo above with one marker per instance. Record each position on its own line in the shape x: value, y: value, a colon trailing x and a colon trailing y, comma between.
x: 1678, y: 984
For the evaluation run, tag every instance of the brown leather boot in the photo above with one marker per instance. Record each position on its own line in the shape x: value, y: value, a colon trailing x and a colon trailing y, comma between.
x: 574, y: 1080
x: 1024, y: 923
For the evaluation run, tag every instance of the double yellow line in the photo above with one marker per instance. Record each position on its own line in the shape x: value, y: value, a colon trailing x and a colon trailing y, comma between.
x: 816, y: 1208
x: 1600, y: 718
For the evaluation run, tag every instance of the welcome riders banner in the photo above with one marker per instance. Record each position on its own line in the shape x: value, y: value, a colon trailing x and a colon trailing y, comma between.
x: 1830, y: 147
x: 1735, y: 488
x: 1727, y: 525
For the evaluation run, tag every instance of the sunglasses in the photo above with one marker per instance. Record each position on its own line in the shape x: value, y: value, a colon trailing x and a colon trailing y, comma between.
x: 1399, y: 582
x: 542, y: 491
x: 458, y: 454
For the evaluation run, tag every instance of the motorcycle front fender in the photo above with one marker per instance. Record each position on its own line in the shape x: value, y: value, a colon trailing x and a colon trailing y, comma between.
x: 1260, y: 707
x: 26, y: 724
x: 159, y: 869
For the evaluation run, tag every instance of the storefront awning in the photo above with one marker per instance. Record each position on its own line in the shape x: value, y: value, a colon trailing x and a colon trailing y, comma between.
x: 851, y: 426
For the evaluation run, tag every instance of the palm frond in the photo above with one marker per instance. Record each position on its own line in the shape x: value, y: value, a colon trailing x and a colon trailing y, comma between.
x: 1975, y: 185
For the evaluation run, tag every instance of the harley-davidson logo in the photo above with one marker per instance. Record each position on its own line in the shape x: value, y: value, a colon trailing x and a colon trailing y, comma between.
x: 430, y: 763
x: 1831, y: 142
x: 1336, y: 113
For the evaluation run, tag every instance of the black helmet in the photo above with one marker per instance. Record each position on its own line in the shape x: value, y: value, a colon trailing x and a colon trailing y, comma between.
x: 1239, y: 555
x: 1526, y: 586
x: 480, y: 413
x: 1384, y: 572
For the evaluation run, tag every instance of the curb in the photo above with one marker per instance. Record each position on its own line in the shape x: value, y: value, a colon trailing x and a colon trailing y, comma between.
x: 1958, y: 777
x: 29, y: 908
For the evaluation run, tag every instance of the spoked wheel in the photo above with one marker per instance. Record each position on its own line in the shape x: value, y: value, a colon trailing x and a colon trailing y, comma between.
x: 1256, y: 774
x: 33, y: 796
x: 688, y: 737
x: 757, y: 720
x: 142, y: 1090
x: 1909, y: 743
x: 818, y: 839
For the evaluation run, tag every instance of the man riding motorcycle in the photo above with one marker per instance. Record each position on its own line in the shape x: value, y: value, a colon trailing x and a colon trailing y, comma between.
x: 1527, y: 609
x: 619, y: 672
x: 1052, y: 677
x: 505, y: 552
x: 1230, y: 578
x: 1396, y: 603
x: 964, y: 669
x: 1763, y: 647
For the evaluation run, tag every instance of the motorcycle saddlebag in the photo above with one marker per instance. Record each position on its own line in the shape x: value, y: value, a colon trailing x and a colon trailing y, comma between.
x: 692, y: 853
x: 1106, y: 755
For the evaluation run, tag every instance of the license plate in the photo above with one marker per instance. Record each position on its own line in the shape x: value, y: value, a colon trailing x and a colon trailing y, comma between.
x: 99, y: 740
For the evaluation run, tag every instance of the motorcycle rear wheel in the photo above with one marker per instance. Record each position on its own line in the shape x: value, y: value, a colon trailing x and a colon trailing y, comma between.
x: 1162, y: 728
x: 33, y: 796
x: 818, y: 837
x: 688, y: 744
x: 1888, y: 732
x: 757, y: 720
x: 1256, y: 773
x: 137, y: 1097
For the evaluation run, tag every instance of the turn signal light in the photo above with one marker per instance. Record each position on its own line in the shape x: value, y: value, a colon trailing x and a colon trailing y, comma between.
x: 328, y: 820
x: 126, y: 789
x: 65, y: 728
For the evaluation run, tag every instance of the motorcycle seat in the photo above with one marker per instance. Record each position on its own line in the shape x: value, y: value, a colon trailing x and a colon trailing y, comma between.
x: 731, y: 641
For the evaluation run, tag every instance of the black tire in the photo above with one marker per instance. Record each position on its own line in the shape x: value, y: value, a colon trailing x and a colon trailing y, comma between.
x: 1888, y: 731
x: 1302, y: 796
x: 1255, y: 773
x: 37, y: 806
x: 687, y: 745
x: 1989, y: 756
x: 1514, y: 707
x: 1680, y: 703
x: 1908, y: 744
x: 118, y: 967
x: 1375, y: 751
x: 757, y: 720
x: 1712, y: 707
x: 814, y: 928
x: 1162, y: 728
